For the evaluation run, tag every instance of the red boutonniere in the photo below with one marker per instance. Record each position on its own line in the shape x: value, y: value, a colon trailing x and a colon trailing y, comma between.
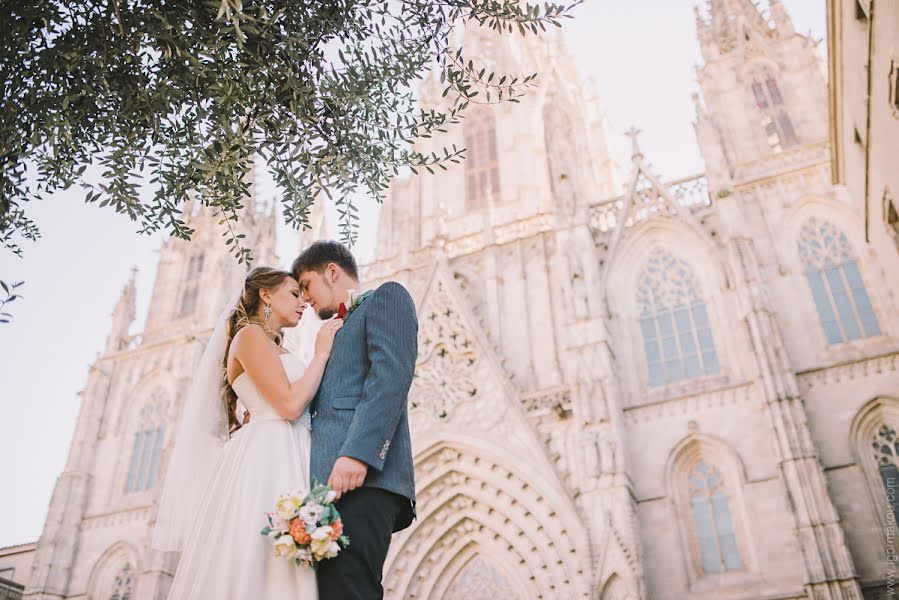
x: 356, y: 299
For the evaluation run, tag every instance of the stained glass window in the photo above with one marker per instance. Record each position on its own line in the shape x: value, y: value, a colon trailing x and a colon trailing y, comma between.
x: 146, y: 453
x: 886, y: 449
x: 123, y: 586
x: 674, y: 323
x: 481, y: 160
x: 843, y: 304
x: 714, y: 529
x: 779, y: 130
x: 191, y: 285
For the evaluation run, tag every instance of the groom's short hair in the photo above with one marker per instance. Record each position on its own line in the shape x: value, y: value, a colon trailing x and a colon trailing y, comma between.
x: 322, y: 253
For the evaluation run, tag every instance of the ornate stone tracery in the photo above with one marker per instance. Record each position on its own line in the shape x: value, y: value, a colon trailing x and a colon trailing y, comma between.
x: 469, y: 499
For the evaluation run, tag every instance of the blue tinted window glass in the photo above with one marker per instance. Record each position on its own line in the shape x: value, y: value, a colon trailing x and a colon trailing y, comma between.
x: 135, y: 459
x: 710, y: 361
x: 825, y: 310
x: 842, y: 302
x: 726, y: 537
x: 705, y: 532
x: 157, y: 455
x: 862, y: 301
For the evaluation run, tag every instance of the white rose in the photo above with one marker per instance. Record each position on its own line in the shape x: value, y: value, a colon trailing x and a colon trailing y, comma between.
x: 311, y: 513
x: 284, y: 546
x: 321, y: 539
x: 330, y: 496
x: 287, y: 506
x: 333, y: 549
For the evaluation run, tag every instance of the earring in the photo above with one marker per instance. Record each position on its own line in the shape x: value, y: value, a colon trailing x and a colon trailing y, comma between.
x: 267, y: 311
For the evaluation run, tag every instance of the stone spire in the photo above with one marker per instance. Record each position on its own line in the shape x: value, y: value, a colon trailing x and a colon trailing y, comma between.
x: 123, y: 316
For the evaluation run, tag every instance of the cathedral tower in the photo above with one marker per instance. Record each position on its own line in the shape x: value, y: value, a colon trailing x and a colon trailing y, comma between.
x: 763, y: 88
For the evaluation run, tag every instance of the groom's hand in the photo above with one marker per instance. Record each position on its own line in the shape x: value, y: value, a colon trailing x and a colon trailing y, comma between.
x: 347, y: 475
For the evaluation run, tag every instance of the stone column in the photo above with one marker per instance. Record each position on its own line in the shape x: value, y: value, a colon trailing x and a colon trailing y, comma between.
x: 830, y: 574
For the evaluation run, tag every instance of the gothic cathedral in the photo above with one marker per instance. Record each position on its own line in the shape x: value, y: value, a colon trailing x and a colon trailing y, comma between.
x: 627, y: 388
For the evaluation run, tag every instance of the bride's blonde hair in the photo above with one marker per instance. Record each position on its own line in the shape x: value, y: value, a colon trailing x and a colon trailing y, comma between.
x: 244, y: 313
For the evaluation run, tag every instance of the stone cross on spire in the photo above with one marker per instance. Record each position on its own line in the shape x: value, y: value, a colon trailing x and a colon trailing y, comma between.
x: 632, y: 133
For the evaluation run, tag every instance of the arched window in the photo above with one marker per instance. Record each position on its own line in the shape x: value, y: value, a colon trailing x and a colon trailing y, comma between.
x: 677, y: 335
x: 779, y: 129
x: 123, y: 586
x: 114, y: 576
x: 191, y: 285
x: 481, y: 161
x: 149, y: 442
x: 876, y: 445
x: 886, y: 453
x: 836, y: 284
x: 712, y: 523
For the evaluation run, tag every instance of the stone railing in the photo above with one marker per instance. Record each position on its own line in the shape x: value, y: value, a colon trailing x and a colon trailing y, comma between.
x: 690, y: 192
x: 10, y: 590
x: 786, y: 160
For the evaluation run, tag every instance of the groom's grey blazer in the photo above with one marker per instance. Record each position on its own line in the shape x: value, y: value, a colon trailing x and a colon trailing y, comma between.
x: 360, y: 409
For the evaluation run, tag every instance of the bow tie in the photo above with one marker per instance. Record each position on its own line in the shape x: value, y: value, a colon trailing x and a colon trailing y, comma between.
x: 341, y: 312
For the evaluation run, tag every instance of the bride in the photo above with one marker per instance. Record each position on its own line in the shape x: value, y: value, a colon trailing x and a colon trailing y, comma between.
x: 224, y: 476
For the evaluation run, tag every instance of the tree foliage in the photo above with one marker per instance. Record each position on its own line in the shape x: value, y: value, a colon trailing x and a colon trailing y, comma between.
x: 180, y: 96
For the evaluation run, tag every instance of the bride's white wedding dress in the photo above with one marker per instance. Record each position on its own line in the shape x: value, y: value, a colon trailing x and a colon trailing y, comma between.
x: 225, y: 557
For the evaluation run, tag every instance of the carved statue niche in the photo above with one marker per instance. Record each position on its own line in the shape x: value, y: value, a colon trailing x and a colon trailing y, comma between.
x: 560, y: 157
x: 577, y: 290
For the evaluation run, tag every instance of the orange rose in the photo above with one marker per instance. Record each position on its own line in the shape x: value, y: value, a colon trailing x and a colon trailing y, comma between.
x: 336, y: 529
x: 298, y: 531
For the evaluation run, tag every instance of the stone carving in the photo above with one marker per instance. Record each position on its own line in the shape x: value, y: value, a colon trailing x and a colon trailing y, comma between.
x: 479, y: 580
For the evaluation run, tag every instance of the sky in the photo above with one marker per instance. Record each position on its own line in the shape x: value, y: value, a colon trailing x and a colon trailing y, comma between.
x: 642, y: 55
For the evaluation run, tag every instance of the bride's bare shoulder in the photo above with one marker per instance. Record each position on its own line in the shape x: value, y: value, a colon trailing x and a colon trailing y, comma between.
x: 250, y: 337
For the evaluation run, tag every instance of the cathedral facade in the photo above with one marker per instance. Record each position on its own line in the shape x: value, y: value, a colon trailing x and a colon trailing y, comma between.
x: 626, y: 387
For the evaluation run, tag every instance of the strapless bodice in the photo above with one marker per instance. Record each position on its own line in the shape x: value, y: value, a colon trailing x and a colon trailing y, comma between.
x: 253, y: 400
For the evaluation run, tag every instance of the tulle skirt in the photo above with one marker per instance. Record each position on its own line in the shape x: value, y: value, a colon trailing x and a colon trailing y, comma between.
x: 225, y: 557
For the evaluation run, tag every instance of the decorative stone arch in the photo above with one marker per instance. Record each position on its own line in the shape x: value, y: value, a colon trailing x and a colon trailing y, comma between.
x: 847, y: 222
x: 159, y: 382
x: 616, y: 588
x: 153, y: 409
x: 866, y: 430
x: 686, y: 455
x: 114, y: 576
x: 684, y: 241
x: 684, y: 238
x: 472, y: 503
x: 795, y: 218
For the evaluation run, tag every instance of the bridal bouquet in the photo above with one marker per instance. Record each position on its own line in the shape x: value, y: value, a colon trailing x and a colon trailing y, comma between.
x: 307, y: 529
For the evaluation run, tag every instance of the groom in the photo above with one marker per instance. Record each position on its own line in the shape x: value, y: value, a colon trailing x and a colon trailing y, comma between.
x: 360, y: 422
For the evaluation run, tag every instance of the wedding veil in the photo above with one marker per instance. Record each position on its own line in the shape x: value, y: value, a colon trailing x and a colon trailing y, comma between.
x: 201, y: 436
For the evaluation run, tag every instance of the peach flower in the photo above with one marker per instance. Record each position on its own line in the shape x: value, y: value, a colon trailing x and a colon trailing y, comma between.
x: 336, y: 529
x: 298, y: 531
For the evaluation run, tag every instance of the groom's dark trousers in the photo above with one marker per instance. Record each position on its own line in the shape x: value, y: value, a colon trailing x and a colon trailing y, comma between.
x: 369, y: 517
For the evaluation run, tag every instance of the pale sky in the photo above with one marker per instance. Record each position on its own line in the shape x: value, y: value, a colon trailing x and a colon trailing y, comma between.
x: 640, y: 53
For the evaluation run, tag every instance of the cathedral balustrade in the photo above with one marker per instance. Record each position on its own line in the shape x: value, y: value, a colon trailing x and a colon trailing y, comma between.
x: 10, y: 590
x: 784, y: 161
x: 689, y: 192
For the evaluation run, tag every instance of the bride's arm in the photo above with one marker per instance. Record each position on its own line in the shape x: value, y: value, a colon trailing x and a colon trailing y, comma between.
x: 259, y: 358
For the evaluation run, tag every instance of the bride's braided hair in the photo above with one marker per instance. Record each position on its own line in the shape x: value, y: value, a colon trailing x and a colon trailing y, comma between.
x: 244, y: 313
